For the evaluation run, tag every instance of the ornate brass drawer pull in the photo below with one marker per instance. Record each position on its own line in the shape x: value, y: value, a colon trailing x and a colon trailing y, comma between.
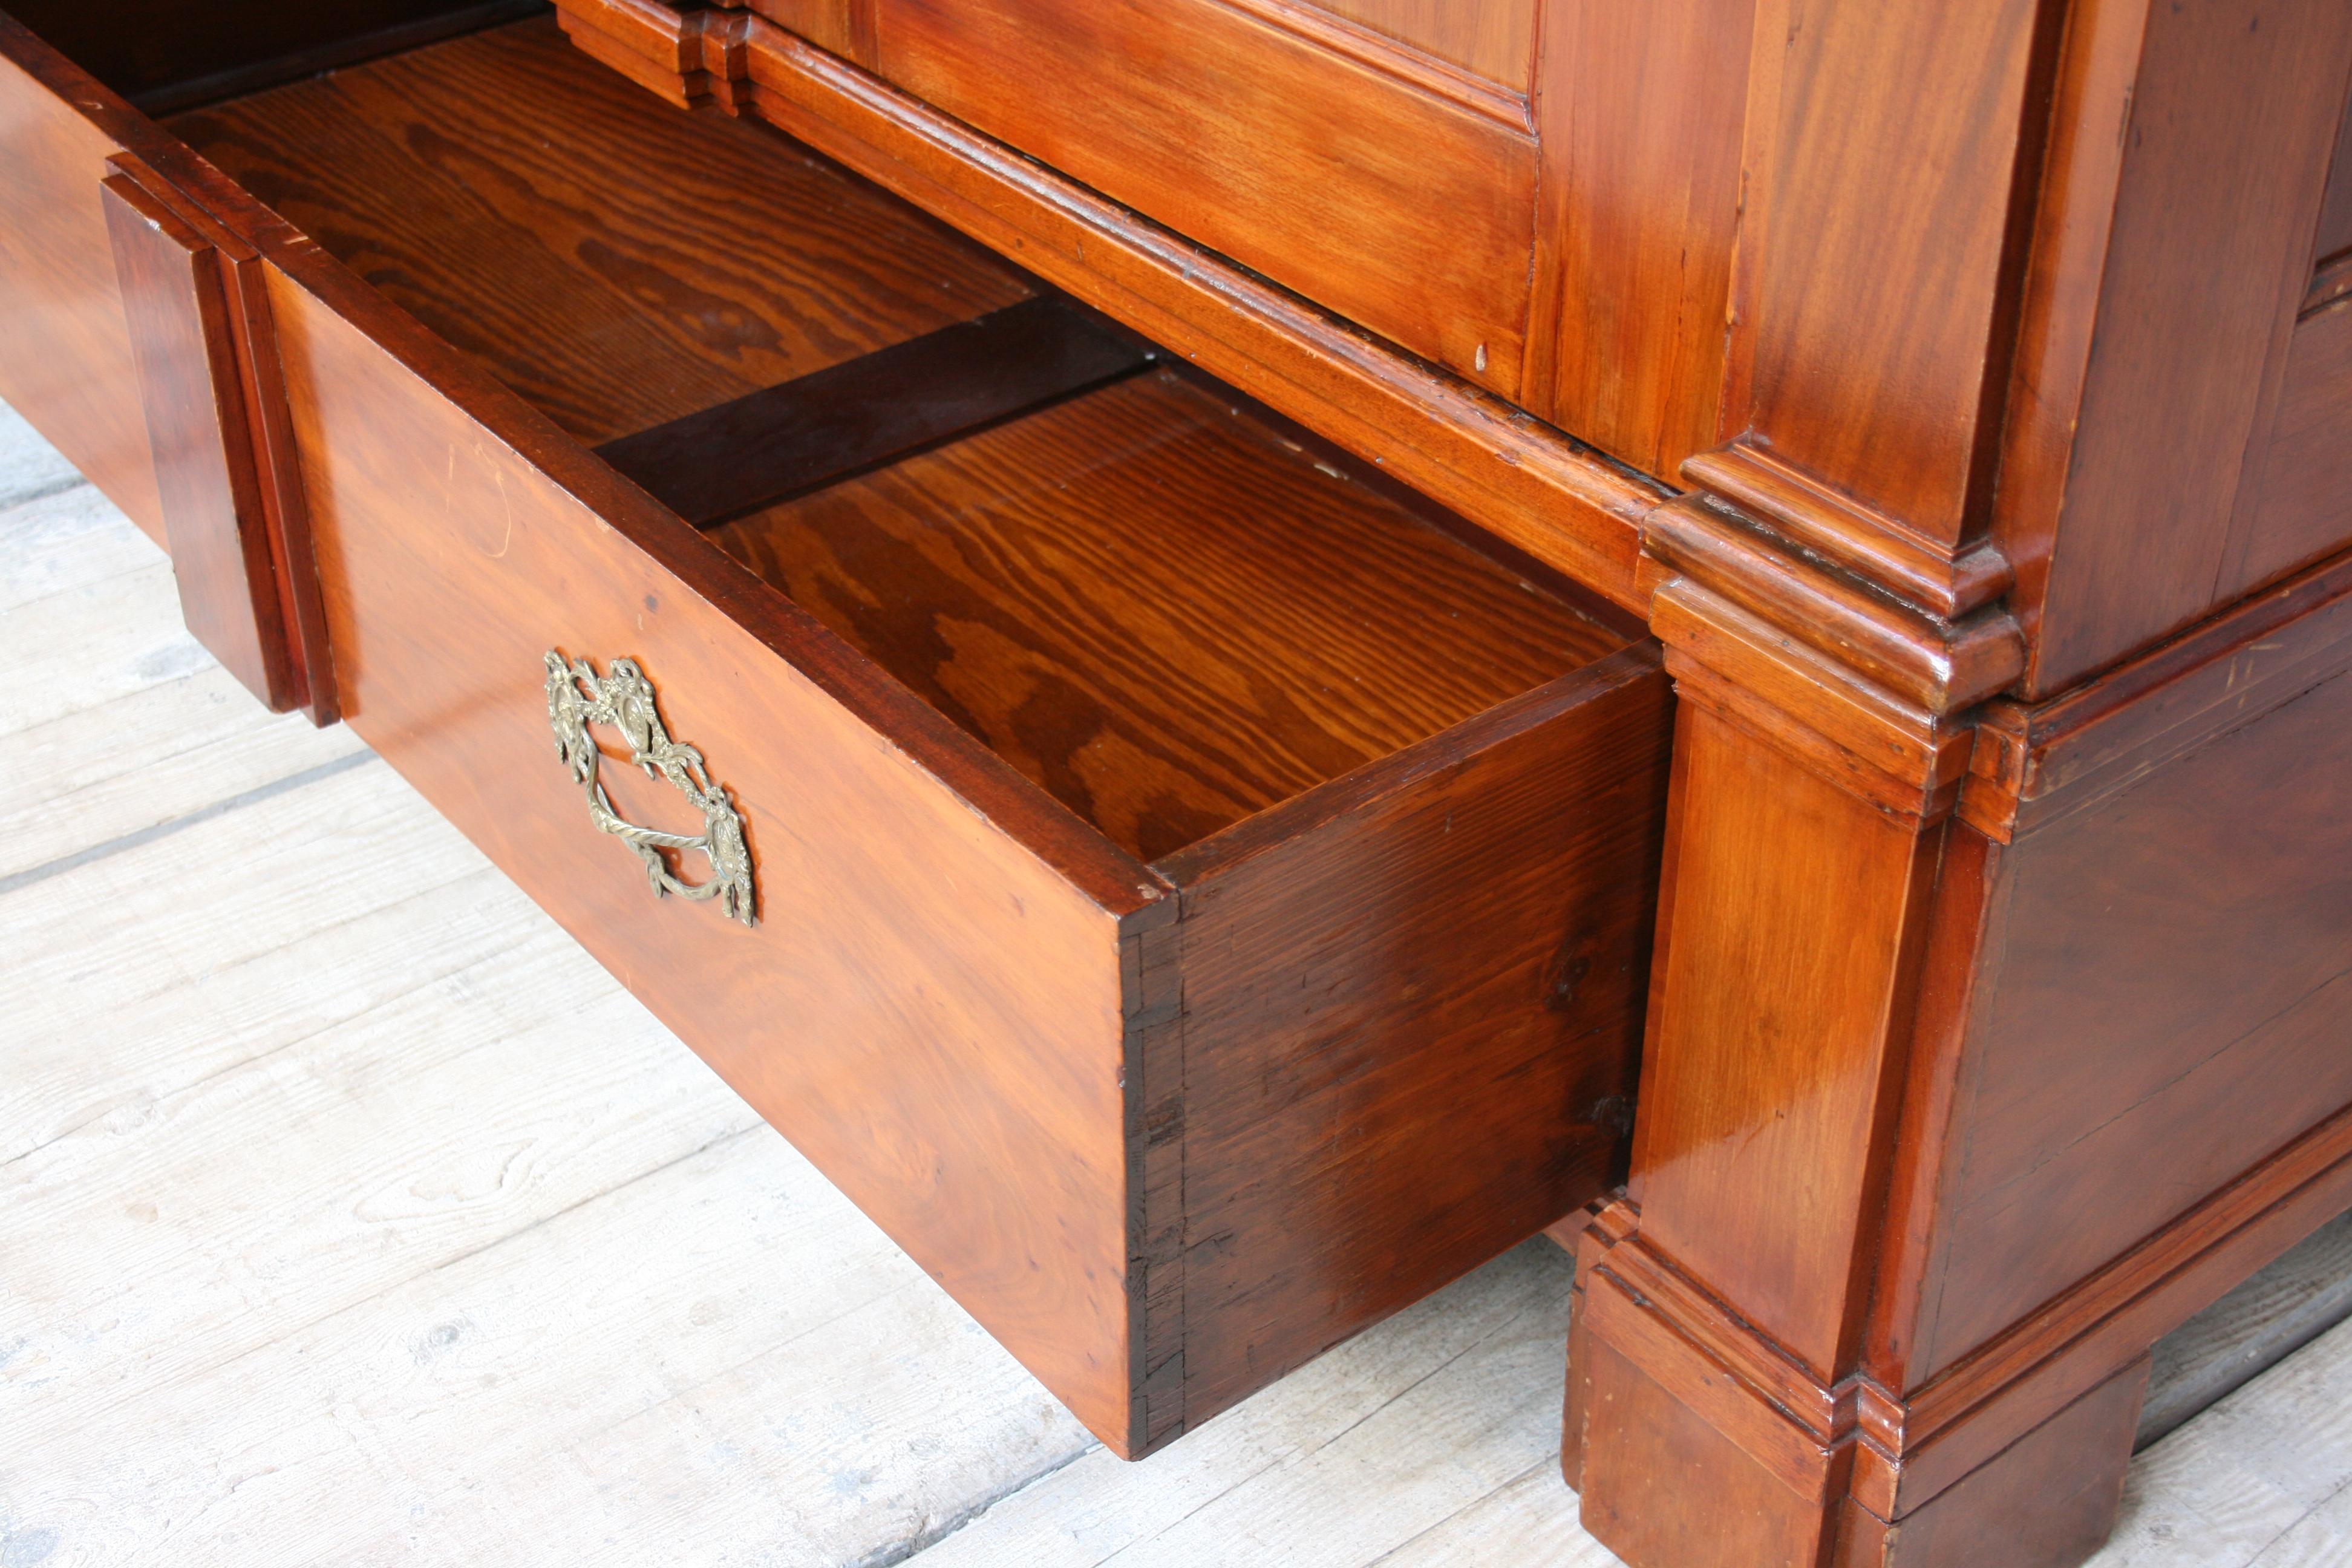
x: 576, y: 698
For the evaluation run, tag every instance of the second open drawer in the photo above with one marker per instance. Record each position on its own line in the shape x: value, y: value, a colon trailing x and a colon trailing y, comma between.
x: 1192, y: 897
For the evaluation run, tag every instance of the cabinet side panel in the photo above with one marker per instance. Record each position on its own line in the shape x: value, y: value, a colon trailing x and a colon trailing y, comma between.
x: 2336, y: 212
x: 2233, y: 121
x: 1411, y: 1030
x: 2304, y: 510
x: 65, y: 352
x: 2170, y: 1006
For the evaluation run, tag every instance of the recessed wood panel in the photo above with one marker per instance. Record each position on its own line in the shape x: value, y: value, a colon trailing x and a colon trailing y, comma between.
x: 1640, y: 118
x: 2164, y: 448
x: 1492, y: 38
x: 2336, y: 212
x: 2304, y: 476
x: 2167, y: 1005
x: 1410, y: 213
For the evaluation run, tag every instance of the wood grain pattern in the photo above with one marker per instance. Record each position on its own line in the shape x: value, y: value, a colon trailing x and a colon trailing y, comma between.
x: 2119, y: 543
x: 1160, y: 613
x: 177, y: 304
x: 1431, y: 946
x: 2334, y: 237
x: 923, y: 1102
x: 619, y: 265
x: 956, y: 1012
x: 2222, y: 1006
x: 1865, y: 327
x: 844, y: 27
x: 1513, y: 476
x: 1800, y: 1030
x: 856, y: 1089
x: 65, y: 358
x: 2062, y: 1506
x: 1399, y: 210
x: 2300, y: 478
x: 2084, y: 1071
x: 163, y: 56
x: 1495, y: 40
x: 827, y: 425
x: 1640, y: 126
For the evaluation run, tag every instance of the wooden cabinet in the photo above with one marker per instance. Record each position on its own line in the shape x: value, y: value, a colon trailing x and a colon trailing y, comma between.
x: 1119, y: 537
x: 1138, y: 837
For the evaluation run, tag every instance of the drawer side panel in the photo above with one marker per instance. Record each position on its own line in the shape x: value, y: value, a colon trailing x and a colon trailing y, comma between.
x: 926, y: 1008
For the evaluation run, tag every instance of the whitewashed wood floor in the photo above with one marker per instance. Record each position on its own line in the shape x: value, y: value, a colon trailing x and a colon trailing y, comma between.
x: 350, y: 1214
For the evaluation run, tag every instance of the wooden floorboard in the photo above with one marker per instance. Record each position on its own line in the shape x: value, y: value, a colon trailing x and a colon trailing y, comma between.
x: 354, y: 1215
x: 2251, y: 1330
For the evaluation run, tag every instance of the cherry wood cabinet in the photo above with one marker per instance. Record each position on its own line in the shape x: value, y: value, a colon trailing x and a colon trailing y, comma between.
x: 1129, y: 827
x: 1329, y: 631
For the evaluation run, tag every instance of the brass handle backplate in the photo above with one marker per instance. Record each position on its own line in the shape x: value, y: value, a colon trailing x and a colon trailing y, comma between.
x: 578, y: 697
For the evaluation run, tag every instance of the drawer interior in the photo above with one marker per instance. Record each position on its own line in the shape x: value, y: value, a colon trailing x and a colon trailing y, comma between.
x: 1154, y: 600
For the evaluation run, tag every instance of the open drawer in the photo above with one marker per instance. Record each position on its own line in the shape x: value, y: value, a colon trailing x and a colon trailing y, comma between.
x: 1191, y: 895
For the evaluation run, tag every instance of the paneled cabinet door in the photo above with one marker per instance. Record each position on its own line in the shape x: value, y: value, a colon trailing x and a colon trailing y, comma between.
x: 1376, y: 155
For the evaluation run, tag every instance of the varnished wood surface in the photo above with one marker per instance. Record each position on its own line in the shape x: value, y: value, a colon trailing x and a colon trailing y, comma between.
x: 2078, y: 1047
x: 1640, y: 122
x: 1395, y: 207
x: 2220, y: 1011
x: 1478, y: 959
x: 1496, y: 40
x: 2119, y: 540
x: 65, y: 358
x: 617, y: 263
x: 184, y: 305
x: 927, y: 1103
x: 2335, y: 239
x: 652, y: 1267
x: 1520, y: 480
x: 820, y: 428
x: 1862, y: 324
x: 163, y: 56
x: 2303, y: 475
x: 867, y: 1014
x: 1392, y: 205
x: 1155, y: 609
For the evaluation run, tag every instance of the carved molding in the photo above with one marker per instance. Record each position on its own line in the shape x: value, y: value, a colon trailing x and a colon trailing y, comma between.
x: 1904, y: 1450
x: 1874, y: 546
x: 2036, y: 764
x: 1863, y: 688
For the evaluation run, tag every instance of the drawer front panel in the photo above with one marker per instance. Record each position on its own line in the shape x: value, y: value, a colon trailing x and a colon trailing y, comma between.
x: 931, y: 1013
x: 1390, y: 204
x: 65, y: 355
